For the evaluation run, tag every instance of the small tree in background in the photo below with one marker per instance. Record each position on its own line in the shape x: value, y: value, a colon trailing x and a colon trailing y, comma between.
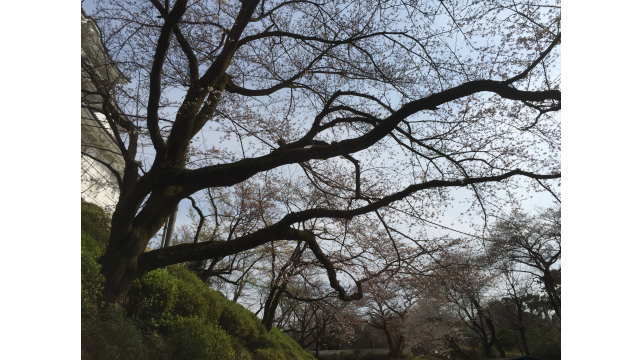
x: 531, y: 244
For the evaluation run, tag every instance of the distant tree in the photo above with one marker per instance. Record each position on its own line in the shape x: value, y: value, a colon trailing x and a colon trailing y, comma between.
x: 514, y: 309
x: 434, y: 327
x: 533, y: 244
x: 315, y: 319
x: 279, y: 281
x: 365, y: 110
x: 387, y: 306
x: 465, y: 281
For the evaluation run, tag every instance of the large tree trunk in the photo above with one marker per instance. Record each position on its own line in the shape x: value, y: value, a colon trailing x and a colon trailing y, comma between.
x: 118, y: 274
x: 120, y: 266
x: 129, y: 237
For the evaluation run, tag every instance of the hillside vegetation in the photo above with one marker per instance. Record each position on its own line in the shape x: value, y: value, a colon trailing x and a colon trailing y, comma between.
x: 169, y: 314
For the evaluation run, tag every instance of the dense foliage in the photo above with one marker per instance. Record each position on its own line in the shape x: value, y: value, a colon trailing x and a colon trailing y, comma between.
x: 169, y: 314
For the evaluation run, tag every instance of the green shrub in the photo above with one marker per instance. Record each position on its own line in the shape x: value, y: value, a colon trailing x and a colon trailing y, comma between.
x: 151, y: 298
x: 288, y: 345
x: 89, y: 246
x: 182, y: 273
x: 261, y: 341
x: 194, y: 339
x: 191, y: 296
x: 90, y: 276
x: 111, y: 335
x: 157, y: 347
x: 172, y: 314
x: 95, y: 222
x: 270, y: 354
x: 190, y: 301
x: 240, y: 322
x: 242, y: 353
x: 94, y: 235
x: 275, y: 344
x: 216, y: 303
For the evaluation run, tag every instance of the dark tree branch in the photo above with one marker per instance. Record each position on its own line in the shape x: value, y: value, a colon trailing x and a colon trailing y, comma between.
x: 356, y: 164
x: 192, y: 115
x: 233, y: 173
x: 285, y: 34
x: 331, y: 272
x: 544, y: 54
x: 201, y: 217
x: 282, y: 231
x: 548, y: 189
x: 155, y: 77
x: 184, y: 45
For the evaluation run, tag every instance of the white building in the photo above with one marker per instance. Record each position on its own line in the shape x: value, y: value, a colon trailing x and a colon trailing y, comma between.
x: 98, y: 183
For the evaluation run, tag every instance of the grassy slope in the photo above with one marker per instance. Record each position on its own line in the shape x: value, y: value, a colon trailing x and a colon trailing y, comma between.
x: 169, y: 314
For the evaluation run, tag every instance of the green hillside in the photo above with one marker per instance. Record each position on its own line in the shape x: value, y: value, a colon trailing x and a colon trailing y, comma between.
x: 169, y: 314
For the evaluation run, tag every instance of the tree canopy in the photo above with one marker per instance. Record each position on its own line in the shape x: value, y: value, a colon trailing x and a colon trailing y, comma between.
x: 340, y: 124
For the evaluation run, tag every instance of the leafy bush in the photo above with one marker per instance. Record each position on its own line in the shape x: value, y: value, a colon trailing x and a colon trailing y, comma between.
x: 190, y: 301
x: 288, y: 345
x: 275, y: 344
x: 270, y: 354
x: 94, y: 236
x: 194, y: 297
x: 157, y: 347
x: 240, y: 322
x: 193, y: 339
x: 171, y: 314
x: 91, y: 278
x: 152, y: 298
x: 165, y: 295
x: 242, y: 353
x: 111, y: 335
x: 95, y: 222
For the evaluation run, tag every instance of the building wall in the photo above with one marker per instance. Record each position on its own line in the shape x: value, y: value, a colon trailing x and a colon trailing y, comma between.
x: 98, y: 183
